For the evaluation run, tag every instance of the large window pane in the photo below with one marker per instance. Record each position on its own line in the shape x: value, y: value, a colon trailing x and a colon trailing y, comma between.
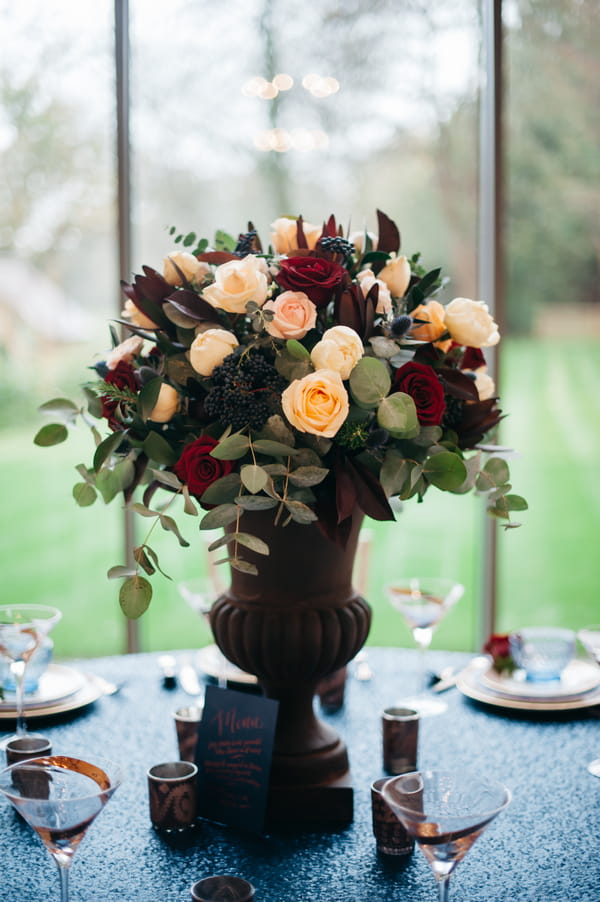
x: 551, y: 369
x: 57, y: 289
x: 379, y: 110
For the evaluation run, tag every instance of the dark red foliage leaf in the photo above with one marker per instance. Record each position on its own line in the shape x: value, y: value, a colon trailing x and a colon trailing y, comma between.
x: 217, y: 257
x: 458, y: 385
x: 188, y: 303
x: 389, y: 237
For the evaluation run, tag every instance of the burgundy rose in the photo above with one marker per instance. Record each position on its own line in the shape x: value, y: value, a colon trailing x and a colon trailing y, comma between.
x: 498, y: 646
x: 315, y: 276
x: 122, y: 376
x: 197, y: 469
x: 472, y: 359
x: 422, y: 384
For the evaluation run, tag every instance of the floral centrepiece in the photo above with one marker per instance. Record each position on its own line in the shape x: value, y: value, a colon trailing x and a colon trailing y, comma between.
x: 319, y: 375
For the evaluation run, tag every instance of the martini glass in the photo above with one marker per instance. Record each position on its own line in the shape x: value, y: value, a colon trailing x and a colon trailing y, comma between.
x: 445, y: 812
x: 201, y: 594
x: 423, y: 602
x: 589, y: 636
x: 59, y: 798
x: 23, y: 627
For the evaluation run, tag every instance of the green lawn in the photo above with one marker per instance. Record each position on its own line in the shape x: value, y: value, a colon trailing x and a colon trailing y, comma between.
x: 57, y: 553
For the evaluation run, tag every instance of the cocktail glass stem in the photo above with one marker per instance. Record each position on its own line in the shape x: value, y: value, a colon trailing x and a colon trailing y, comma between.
x: 17, y: 669
x: 422, y: 637
x: 63, y: 864
x: 443, y: 889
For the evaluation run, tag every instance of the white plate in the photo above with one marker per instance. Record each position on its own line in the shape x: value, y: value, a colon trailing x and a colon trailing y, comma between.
x: 91, y: 689
x: 577, y: 677
x: 56, y: 683
x: 214, y: 664
x: 471, y: 685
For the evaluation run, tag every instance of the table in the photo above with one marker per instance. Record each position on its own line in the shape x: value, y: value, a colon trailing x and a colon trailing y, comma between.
x: 543, y: 848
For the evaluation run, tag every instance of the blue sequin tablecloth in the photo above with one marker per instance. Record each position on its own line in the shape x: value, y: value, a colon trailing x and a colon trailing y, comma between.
x: 544, y: 848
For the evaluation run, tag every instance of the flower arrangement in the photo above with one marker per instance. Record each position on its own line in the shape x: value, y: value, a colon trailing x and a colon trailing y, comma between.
x: 310, y: 378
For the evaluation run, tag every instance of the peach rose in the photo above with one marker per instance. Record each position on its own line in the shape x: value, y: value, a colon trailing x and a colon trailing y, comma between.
x: 236, y: 283
x: 294, y: 315
x: 435, y: 324
x: 125, y: 351
x: 167, y: 404
x: 210, y: 348
x: 470, y: 324
x: 136, y: 317
x: 396, y: 275
x: 284, y: 235
x: 192, y: 269
x: 317, y: 404
x: 340, y: 349
x: 367, y: 279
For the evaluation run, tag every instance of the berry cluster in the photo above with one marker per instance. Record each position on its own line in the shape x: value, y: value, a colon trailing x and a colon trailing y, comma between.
x: 246, y: 390
x: 454, y: 413
x: 336, y: 246
x: 246, y: 243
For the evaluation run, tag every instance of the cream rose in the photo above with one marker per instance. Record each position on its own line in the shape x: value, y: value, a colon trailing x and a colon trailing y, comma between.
x: 167, y: 404
x: 210, y: 348
x: 396, y: 275
x: 236, y: 283
x: 485, y: 385
x: 367, y: 279
x: 435, y: 325
x: 284, y: 235
x: 340, y: 349
x: 358, y: 240
x: 470, y: 324
x: 317, y: 404
x: 294, y: 315
x: 125, y: 351
x: 193, y: 270
x: 136, y: 317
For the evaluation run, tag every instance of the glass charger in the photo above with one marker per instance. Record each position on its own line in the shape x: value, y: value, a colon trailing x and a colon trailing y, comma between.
x: 577, y: 678
x: 90, y: 690
x: 472, y: 686
x: 56, y: 683
x: 214, y: 664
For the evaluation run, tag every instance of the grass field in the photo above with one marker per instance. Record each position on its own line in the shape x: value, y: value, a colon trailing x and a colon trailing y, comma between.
x: 548, y: 570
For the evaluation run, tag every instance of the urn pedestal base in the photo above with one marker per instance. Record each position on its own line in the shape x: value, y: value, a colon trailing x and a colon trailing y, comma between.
x: 331, y: 803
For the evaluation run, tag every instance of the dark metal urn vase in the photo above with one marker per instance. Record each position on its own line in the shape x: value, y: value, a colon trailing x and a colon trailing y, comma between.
x: 296, y: 622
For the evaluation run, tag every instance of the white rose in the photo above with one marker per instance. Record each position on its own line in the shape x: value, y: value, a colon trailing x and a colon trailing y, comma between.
x: 209, y: 349
x: 190, y: 268
x: 340, y: 349
x: 396, y: 275
x: 236, y: 283
x: 484, y: 383
x: 284, y: 235
x: 167, y: 404
x: 358, y: 240
x: 136, y: 317
x: 125, y: 351
x: 367, y: 279
x: 469, y: 323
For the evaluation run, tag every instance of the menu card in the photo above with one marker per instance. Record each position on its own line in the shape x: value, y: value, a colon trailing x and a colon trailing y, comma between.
x: 235, y: 745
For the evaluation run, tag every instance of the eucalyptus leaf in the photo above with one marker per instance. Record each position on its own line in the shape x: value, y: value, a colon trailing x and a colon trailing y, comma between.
x: 254, y: 478
x: 297, y: 350
x: 106, y: 448
x: 242, y: 538
x: 300, y: 512
x: 397, y: 413
x: 153, y: 555
x: 84, y: 494
x: 498, y: 470
x: 222, y: 515
x: 64, y: 409
x: 121, y: 572
x: 148, y: 397
x: 159, y: 450
x: 135, y: 596
x: 255, y: 502
x: 169, y: 525
x: 141, y: 558
x: 243, y: 566
x: 223, y: 490
x: 273, y: 449
x: 383, y: 347
x: 394, y: 473
x: 445, y: 470
x: 51, y: 434
x: 516, y: 502
x: 142, y: 510
x: 167, y: 477
x: 292, y: 368
x: 370, y: 381
x: 188, y: 505
x: 231, y: 448
x: 307, y: 476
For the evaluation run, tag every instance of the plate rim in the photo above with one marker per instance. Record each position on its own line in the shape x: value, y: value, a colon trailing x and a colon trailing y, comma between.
x: 479, y: 694
x: 92, y: 689
x: 570, y: 694
x: 31, y: 706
